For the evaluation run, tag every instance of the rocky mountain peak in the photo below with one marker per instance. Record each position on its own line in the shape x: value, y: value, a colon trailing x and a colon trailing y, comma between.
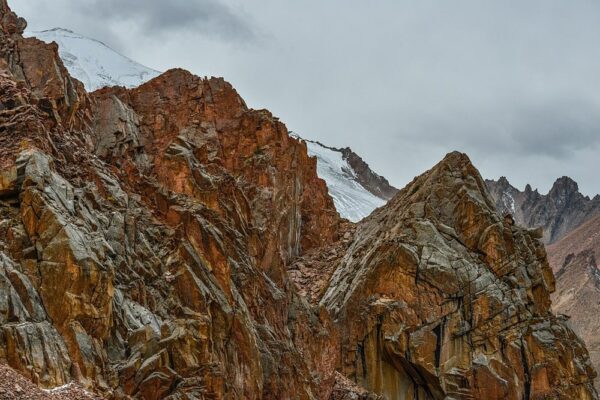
x: 503, y: 182
x: 564, y: 187
x: 411, y: 268
x: 163, y: 241
x: 557, y: 212
x: 374, y: 183
x: 9, y: 21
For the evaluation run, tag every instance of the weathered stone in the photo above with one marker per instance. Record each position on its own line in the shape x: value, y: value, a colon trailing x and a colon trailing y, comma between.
x: 148, y: 234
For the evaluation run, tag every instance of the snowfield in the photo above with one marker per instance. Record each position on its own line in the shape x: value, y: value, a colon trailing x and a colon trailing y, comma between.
x: 94, y: 63
x: 351, y: 200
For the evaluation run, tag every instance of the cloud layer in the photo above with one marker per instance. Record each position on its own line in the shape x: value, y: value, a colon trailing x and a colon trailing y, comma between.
x: 512, y: 83
x: 159, y: 17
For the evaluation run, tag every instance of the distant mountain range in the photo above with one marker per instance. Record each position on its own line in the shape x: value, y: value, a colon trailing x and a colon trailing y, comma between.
x: 558, y: 212
x: 571, y: 224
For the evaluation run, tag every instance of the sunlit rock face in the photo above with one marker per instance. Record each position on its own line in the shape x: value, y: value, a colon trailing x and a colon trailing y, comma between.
x: 167, y: 241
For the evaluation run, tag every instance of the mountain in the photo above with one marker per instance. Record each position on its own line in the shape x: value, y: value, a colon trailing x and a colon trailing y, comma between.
x: 437, y: 296
x: 557, y: 212
x: 168, y: 241
x: 571, y: 224
x: 356, y: 190
x: 94, y: 63
x: 574, y: 259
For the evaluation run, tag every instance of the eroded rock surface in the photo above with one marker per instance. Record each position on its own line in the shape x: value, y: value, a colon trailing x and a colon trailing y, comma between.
x: 169, y: 242
x: 575, y: 262
x: 439, y: 297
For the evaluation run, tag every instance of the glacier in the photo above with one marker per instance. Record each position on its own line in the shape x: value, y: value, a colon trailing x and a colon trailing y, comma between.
x: 351, y: 199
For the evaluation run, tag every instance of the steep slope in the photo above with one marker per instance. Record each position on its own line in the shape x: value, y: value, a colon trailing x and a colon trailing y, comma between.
x: 346, y: 182
x: 574, y: 259
x: 438, y: 297
x: 144, y: 233
x: 355, y: 188
x: 558, y: 212
x: 148, y: 238
x: 584, y: 238
x: 94, y: 63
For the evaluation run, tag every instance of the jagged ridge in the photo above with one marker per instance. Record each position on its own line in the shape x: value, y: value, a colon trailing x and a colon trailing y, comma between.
x: 558, y: 212
x: 147, y: 234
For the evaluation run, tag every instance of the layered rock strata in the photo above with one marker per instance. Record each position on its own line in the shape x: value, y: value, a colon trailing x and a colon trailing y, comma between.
x: 149, y: 238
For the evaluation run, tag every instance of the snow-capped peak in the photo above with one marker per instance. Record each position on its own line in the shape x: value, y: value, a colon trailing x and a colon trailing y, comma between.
x: 93, y: 62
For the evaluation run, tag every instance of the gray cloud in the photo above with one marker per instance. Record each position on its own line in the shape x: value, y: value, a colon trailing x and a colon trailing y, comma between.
x: 512, y: 83
x: 556, y: 129
x: 155, y: 17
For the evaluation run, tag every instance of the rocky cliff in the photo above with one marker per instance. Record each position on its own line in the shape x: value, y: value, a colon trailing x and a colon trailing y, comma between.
x: 558, y: 212
x: 144, y: 236
x: 438, y: 297
x: 168, y: 241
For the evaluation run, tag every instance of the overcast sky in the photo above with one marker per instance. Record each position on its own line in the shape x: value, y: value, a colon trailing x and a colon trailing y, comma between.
x: 514, y: 84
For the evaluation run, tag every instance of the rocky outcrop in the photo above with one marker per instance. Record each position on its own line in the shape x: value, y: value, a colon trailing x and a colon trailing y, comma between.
x: 438, y: 297
x: 571, y: 226
x: 163, y: 241
x: 558, y: 212
x: 144, y: 236
x: 374, y: 183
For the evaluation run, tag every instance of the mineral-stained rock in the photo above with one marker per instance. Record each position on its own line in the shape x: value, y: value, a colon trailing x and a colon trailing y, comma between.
x: 159, y: 242
x: 440, y: 297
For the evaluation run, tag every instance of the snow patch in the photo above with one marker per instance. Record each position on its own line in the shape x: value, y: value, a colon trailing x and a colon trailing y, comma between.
x: 509, y: 202
x: 93, y: 63
x: 59, y: 388
x: 351, y: 199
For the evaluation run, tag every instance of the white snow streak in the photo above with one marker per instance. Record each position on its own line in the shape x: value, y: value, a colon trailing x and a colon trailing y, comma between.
x: 351, y: 200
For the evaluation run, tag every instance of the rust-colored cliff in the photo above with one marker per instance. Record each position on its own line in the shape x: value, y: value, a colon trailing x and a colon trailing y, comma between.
x: 169, y: 242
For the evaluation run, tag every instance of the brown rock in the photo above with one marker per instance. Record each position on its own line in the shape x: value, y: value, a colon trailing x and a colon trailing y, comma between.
x: 146, y: 238
x: 435, y: 290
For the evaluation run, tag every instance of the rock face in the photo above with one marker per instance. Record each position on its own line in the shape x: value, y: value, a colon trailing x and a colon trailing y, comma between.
x: 144, y: 236
x: 571, y: 224
x: 561, y: 210
x: 163, y: 241
x: 438, y: 297
x: 575, y: 261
